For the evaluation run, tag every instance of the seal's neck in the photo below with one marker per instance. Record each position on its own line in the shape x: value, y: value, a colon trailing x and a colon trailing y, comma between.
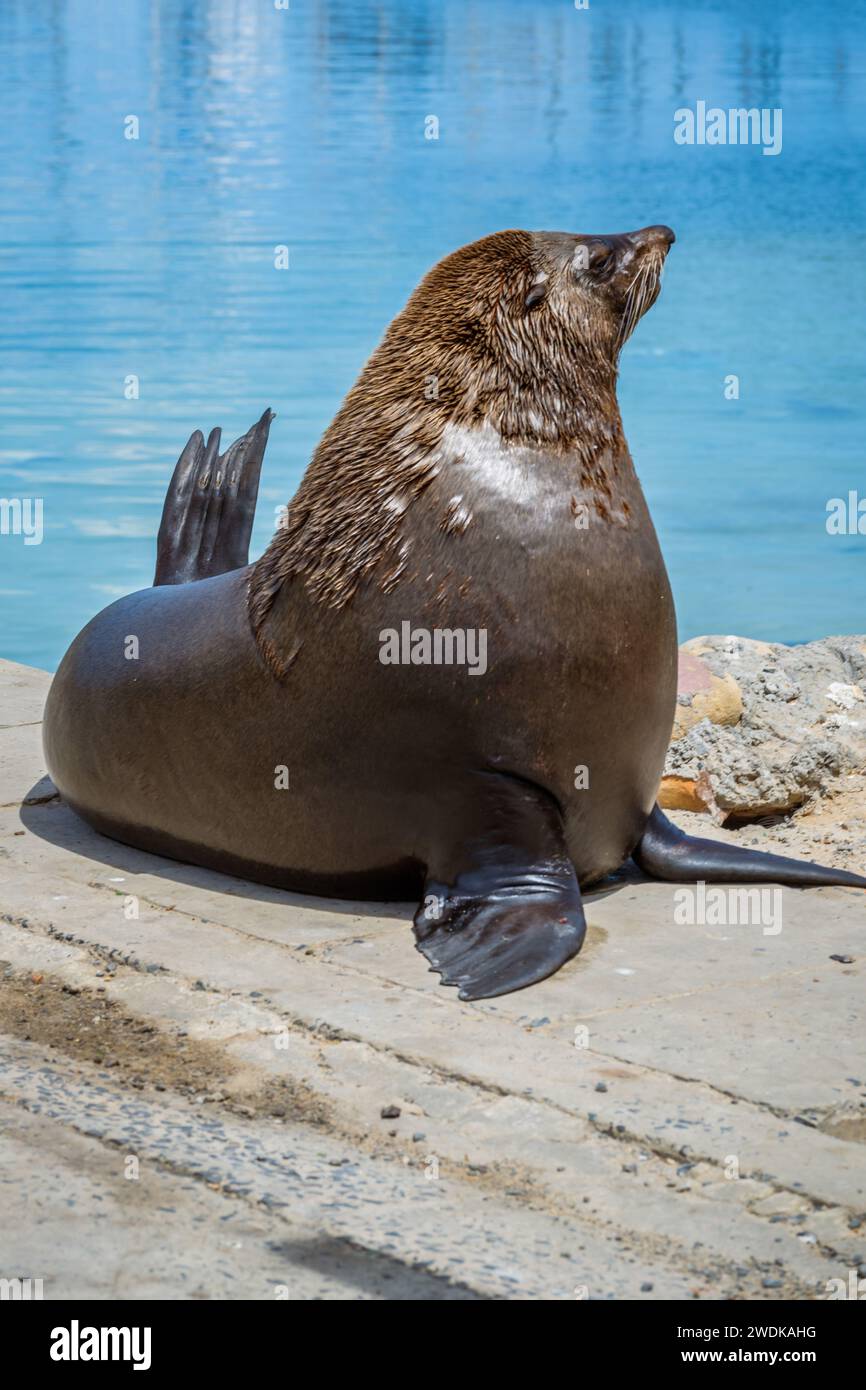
x: 573, y: 410
x: 387, y: 443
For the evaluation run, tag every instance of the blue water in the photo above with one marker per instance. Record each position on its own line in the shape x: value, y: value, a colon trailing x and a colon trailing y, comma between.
x: 261, y: 127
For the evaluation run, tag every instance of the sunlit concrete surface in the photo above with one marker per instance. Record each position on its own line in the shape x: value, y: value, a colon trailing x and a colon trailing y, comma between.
x: 213, y: 1089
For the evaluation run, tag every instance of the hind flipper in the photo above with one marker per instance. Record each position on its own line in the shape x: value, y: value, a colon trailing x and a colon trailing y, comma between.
x: 207, y: 518
x: 666, y: 852
x: 503, y: 909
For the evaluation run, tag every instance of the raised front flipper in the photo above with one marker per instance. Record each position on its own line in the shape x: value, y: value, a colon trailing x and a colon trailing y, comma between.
x: 502, y: 908
x: 666, y: 852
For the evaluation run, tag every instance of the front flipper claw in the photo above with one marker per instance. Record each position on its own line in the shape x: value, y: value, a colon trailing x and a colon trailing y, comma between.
x: 502, y: 942
x: 502, y: 910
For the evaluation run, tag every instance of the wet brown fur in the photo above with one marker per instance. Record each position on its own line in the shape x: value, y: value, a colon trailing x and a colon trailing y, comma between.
x: 466, y: 350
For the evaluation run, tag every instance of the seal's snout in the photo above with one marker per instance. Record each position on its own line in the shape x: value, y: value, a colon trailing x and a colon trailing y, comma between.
x: 641, y: 277
x: 658, y: 237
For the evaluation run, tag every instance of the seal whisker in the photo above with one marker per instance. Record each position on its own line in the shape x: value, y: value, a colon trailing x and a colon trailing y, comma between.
x: 641, y: 293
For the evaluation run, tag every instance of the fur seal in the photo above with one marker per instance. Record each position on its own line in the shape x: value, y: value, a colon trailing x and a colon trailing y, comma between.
x: 453, y: 672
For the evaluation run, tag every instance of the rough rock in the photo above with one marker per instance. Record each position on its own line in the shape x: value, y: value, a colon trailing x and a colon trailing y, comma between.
x: 703, y: 695
x: 765, y: 729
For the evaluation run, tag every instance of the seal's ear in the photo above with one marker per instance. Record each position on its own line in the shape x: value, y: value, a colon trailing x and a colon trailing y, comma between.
x: 535, y: 295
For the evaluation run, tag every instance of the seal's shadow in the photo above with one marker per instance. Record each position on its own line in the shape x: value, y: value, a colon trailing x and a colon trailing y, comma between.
x: 46, y: 815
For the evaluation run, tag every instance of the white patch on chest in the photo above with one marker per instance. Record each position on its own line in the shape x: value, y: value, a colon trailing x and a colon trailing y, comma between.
x: 510, y: 473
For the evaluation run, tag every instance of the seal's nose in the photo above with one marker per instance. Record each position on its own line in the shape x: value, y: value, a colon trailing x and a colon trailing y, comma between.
x: 655, y: 236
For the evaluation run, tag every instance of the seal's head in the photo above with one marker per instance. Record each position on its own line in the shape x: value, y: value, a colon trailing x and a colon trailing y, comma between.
x: 598, y: 287
x: 508, y: 321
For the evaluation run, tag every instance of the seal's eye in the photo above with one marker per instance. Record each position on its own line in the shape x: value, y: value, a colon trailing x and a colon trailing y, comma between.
x: 592, y: 255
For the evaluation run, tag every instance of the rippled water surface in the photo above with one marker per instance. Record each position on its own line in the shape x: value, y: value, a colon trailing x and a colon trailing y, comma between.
x: 259, y: 127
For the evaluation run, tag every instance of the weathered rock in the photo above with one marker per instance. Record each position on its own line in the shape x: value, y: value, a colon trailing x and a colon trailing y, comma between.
x: 801, y: 725
x: 703, y: 695
x: 688, y: 794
